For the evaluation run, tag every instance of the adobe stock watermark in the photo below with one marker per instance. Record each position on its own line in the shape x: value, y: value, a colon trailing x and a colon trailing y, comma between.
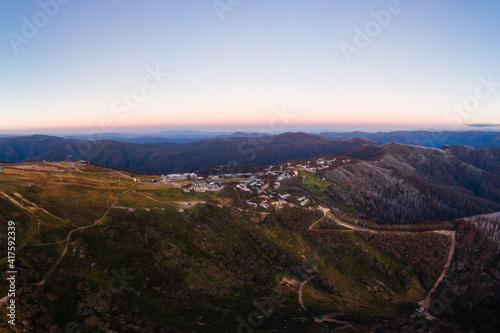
x: 223, y: 6
x: 30, y: 27
x: 265, y: 308
x: 483, y: 91
x: 457, y: 115
x: 139, y: 93
x: 122, y: 107
x: 372, y: 29
x: 447, y: 296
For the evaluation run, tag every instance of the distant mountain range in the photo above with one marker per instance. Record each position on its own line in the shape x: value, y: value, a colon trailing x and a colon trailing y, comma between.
x: 475, y: 139
x: 155, y: 137
x: 153, y: 154
x: 167, y: 157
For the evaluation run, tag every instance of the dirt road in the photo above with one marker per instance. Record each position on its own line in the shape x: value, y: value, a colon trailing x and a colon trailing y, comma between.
x: 427, y: 301
x: 68, y: 238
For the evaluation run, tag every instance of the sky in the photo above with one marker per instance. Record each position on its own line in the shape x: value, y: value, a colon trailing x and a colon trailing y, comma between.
x: 272, y: 65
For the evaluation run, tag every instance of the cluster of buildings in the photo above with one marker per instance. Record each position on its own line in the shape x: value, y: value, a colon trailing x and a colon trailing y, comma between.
x: 267, y: 196
x: 194, y: 176
x: 318, y: 164
x: 177, y: 176
x: 253, y: 185
x: 204, y: 186
x: 262, y: 184
x: 277, y: 201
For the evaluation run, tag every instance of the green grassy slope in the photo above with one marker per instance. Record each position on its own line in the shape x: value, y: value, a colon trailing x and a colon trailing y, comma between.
x: 157, y: 264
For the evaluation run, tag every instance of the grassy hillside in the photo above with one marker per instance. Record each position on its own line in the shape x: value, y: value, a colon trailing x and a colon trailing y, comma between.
x: 113, y: 255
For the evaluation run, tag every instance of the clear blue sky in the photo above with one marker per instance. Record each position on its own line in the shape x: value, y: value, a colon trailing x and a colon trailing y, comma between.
x: 235, y: 72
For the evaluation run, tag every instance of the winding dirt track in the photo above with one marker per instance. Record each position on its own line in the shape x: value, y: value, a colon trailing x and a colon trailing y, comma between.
x: 97, y: 222
x: 68, y: 238
x: 325, y: 318
x: 425, y: 302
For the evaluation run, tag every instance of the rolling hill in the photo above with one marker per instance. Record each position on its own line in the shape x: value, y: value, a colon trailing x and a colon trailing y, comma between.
x: 396, y: 182
x: 167, y: 157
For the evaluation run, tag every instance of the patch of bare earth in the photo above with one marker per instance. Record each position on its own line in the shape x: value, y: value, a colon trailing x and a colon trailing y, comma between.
x: 42, y: 168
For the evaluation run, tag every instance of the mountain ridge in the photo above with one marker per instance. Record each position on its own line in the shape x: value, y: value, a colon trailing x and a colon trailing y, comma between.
x: 167, y: 157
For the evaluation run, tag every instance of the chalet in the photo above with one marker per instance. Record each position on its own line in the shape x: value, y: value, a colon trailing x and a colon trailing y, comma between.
x: 213, y: 186
x: 264, y: 205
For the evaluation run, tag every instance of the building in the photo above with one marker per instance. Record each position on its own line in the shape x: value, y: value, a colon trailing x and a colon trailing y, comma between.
x: 213, y: 186
x: 305, y: 202
x: 176, y: 176
x: 191, y: 176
